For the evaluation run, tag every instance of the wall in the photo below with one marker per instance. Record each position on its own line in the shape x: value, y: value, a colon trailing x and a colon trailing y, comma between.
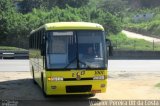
x: 135, y: 55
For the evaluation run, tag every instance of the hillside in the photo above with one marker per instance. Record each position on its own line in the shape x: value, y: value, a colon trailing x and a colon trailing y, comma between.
x: 150, y: 26
x: 19, y: 17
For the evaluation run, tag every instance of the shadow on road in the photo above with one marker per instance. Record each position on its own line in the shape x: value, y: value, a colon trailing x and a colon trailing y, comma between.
x: 24, y: 93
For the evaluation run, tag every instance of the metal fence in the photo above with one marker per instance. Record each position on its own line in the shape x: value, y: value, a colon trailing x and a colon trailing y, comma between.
x: 136, y: 46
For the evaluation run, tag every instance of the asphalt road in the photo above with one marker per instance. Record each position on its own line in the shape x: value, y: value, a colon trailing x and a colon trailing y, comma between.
x: 134, y: 65
x: 113, y: 65
x: 14, y: 65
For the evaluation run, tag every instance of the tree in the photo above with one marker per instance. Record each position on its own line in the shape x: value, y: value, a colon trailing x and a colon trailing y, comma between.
x: 115, y: 7
x: 28, y: 5
x: 111, y: 23
x: 143, y: 3
x: 72, y: 3
x: 6, y: 7
x: 15, y: 26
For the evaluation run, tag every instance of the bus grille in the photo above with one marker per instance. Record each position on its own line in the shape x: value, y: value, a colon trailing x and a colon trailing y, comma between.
x: 78, y: 88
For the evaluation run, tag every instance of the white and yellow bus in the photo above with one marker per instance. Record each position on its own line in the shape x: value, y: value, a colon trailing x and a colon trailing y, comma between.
x: 69, y: 58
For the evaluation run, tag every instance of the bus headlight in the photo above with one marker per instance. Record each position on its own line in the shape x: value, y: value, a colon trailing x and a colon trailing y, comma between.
x: 55, y: 78
x: 99, y: 77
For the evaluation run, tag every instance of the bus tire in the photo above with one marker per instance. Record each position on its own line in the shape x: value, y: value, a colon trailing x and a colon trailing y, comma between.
x: 91, y: 95
x: 42, y: 82
x: 88, y: 96
x: 33, y: 76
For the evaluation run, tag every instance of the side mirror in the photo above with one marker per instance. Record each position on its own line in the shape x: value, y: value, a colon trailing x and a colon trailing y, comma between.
x: 109, y: 45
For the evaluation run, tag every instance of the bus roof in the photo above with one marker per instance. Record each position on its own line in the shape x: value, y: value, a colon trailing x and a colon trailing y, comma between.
x: 71, y: 26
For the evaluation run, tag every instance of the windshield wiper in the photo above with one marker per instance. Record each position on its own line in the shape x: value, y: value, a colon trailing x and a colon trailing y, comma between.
x: 84, y: 64
x: 70, y: 62
x: 78, y: 62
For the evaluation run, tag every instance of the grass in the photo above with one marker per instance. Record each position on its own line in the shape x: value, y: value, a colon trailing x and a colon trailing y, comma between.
x: 157, y: 85
x: 121, y: 42
x: 11, y: 48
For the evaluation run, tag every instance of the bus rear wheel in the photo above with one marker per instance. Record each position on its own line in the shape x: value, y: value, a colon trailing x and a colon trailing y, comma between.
x: 33, y: 76
x: 42, y: 82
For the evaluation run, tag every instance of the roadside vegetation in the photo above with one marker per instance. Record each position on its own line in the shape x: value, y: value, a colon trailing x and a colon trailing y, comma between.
x: 17, y: 21
x: 17, y: 24
x: 8, y: 48
x: 149, y: 27
x: 121, y: 42
x: 157, y: 85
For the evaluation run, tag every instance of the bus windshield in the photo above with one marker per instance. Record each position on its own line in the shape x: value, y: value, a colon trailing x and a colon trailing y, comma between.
x: 76, y: 49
